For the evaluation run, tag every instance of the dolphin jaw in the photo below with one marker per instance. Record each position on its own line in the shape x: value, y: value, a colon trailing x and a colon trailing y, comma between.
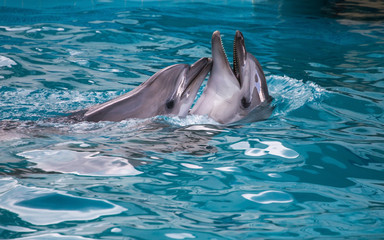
x: 236, y: 70
x: 220, y: 59
x: 195, y: 76
x: 239, y: 55
x: 219, y: 55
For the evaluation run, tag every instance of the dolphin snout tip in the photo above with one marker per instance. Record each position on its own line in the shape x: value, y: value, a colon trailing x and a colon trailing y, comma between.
x: 203, y: 61
x: 239, y: 34
x: 216, y: 34
x: 216, y: 38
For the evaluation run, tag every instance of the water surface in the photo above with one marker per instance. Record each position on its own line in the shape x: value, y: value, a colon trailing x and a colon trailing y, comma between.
x: 314, y: 169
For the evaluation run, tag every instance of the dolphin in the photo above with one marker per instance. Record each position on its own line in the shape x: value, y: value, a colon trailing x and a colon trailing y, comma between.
x: 232, y: 94
x: 171, y: 91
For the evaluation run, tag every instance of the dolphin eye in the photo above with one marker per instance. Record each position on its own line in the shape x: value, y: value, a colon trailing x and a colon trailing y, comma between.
x: 170, y: 104
x: 245, y: 103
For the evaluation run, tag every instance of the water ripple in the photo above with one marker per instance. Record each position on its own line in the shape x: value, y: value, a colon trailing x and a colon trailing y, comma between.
x: 42, y: 206
x: 314, y: 169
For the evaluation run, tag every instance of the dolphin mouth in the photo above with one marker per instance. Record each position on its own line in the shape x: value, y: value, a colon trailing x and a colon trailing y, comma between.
x: 238, y: 53
x: 196, y: 75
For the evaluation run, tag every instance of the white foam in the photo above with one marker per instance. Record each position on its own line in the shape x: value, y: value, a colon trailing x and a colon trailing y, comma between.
x: 192, y: 120
x: 199, y: 128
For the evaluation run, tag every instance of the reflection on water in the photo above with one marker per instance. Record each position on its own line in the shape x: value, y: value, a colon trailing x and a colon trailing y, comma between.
x: 42, y: 206
x: 363, y: 10
x: 268, y: 197
x: 270, y: 147
x: 180, y: 235
x: 81, y: 163
x: 366, y: 10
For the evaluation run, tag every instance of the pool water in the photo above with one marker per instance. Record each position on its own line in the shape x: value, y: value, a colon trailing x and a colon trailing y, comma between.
x: 314, y: 169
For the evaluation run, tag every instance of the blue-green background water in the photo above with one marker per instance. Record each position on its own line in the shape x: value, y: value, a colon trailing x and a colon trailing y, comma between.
x: 314, y: 169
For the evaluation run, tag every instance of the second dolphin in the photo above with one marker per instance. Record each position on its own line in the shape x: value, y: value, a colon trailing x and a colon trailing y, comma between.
x: 231, y: 95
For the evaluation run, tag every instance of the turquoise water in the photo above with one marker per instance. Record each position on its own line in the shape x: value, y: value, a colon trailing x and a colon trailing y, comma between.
x: 314, y: 169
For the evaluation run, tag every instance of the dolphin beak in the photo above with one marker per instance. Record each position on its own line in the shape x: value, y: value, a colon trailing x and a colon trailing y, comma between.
x: 220, y: 61
x: 218, y: 53
x: 239, y: 55
x: 196, y: 75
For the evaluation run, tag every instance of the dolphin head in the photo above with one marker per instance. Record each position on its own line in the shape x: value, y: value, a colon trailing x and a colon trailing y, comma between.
x: 171, y: 91
x: 188, y: 84
x: 231, y: 94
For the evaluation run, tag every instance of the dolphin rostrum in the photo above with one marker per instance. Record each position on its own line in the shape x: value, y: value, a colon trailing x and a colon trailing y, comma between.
x: 230, y: 95
x: 171, y: 91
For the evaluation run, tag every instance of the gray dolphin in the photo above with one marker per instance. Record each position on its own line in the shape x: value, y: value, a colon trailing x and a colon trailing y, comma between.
x: 230, y: 95
x: 171, y: 91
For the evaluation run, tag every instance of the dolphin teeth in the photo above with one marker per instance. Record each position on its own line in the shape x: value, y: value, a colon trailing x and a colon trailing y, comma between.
x: 222, y: 46
x: 235, y: 61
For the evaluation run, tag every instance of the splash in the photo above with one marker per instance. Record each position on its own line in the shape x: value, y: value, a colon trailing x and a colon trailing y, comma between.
x: 291, y: 94
x: 191, y: 120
